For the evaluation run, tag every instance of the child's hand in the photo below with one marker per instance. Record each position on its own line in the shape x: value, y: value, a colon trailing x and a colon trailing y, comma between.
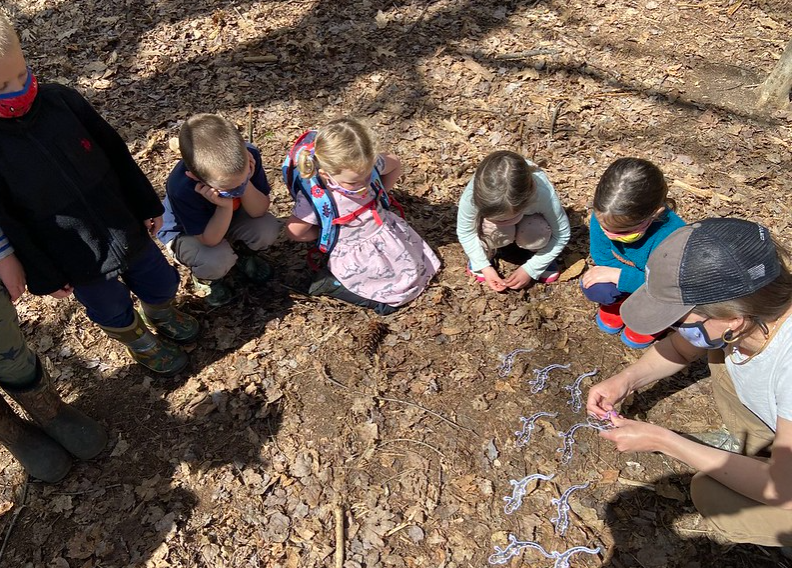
x: 601, y: 275
x: 13, y: 276
x: 518, y: 279
x: 493, y: 279
x: 153, y: 225
x: 213, y: 196
x: 64, y: 292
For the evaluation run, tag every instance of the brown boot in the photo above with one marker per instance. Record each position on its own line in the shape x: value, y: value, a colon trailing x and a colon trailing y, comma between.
x: 82, y: 436
x: 149, y: 350
x: 41, y: 456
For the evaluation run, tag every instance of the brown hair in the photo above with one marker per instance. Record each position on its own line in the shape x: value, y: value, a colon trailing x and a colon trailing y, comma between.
x: 8, y: 36
x: 630, y: 191
x: 502, y: 185
x: 766, y: 304
x: 212, y: 148
x: 343, y: 144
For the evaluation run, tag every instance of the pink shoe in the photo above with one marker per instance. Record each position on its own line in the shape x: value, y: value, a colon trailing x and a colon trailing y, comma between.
x: 550, y: 274
x: 477, y: 275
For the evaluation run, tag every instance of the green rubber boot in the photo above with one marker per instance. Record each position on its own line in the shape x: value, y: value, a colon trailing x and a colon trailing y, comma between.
x: 82, y: 436
x: 255, y: 268
x: 41, y: 456
x: 169, y: 322
x: 158, y: 355
x: 215, y: 293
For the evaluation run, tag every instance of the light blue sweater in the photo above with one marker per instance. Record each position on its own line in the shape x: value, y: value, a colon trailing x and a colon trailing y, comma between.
x: 545, y: 202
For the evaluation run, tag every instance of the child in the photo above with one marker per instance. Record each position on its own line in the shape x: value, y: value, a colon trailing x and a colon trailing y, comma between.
x: 43, y: 449
x: 511, y: 203
x: 80, y: 213
x: 632, y: 215
x: 218, y: 195
x: 378, y: 261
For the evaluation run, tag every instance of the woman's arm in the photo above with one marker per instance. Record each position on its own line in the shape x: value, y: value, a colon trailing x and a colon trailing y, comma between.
x: 661, y: 360
x: 763, y: 481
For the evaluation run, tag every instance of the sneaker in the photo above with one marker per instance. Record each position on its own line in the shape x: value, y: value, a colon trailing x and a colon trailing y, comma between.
x: 608, y: 318
x: 215, y: 293
x: 550, y: 275
x: 475, y: 274
x: 636, y: 340
x: 720, y: 439
x: 255, y: 268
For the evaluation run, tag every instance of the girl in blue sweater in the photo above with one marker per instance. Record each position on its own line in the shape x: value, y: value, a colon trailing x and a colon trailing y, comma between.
x: 632, y: 215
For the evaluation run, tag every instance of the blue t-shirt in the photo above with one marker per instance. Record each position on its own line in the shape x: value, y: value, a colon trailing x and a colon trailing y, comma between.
x: 188, y: 212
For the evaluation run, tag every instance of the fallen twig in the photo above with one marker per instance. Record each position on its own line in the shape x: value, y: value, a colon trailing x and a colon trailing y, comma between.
x: 338, y: 513
x: 14, y: 518
x: 702, y: 192
x: 525, y: 54
x: 385, y: 442
x: 432, y: 412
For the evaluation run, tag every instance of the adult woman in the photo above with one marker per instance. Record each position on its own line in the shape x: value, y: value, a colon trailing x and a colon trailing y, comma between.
x: 726, y: 288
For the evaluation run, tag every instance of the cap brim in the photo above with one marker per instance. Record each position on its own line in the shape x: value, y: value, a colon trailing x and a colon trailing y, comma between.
x: 647, y: 316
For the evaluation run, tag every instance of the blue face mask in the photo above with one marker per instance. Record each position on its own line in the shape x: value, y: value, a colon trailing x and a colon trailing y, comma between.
x: 697, y: 336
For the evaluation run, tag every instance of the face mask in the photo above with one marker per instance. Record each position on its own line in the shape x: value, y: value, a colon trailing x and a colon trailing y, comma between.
x: 630, y: 237
x: 696, y: 335
x: 333, y: 186
x: 238, y: 192
x: 14, y: 105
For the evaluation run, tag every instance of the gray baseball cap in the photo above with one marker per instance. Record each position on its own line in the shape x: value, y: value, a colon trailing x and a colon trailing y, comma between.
x: 710, y: 261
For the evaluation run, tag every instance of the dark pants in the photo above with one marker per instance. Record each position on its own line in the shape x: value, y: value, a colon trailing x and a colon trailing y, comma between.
x: 149, y: 275
x: 605, y: 293
x: 325, y: 284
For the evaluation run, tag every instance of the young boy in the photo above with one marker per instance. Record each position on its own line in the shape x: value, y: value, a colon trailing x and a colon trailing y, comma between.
x: 43, y: 448
x: 80, y: 213
x: 218, y: 199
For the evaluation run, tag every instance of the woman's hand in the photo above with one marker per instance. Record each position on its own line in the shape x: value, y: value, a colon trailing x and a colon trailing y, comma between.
x: 493, y: 279
x: 518, y: 279
x: 635, y: 436
x: 601, y: 275
x: 603, y: 396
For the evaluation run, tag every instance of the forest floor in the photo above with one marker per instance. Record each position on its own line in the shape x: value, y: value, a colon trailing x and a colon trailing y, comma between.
x: 295, y: 408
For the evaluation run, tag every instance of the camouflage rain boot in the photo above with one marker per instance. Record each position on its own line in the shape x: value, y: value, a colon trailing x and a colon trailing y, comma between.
x: 41, y: 456
x: 158, y: 355
x: 82, y: 436
x: 215, y: 293
x: 169, y: 322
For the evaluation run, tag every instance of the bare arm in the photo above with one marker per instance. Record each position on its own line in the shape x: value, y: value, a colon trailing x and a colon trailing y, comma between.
x: 391, y: 171
x: 218, y: 225
x: 255, y: 203
x: 301, y: 231
x: 661, y: 360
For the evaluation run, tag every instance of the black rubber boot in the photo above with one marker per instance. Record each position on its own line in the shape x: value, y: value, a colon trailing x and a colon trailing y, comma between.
x: 82, y: 436
x: 157, y: 355
x: 41, y: 456
x: 326, y: 284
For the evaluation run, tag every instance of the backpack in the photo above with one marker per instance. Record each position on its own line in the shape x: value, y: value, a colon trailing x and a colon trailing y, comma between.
x: 321, y: 199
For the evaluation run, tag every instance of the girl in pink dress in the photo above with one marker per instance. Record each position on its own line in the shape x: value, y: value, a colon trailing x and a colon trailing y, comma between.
x: 378, y: 261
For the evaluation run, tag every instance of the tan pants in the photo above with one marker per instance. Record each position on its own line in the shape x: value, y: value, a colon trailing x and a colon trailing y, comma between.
x: 735, y: 516
x: 531, y: 233
x: 212, y: 263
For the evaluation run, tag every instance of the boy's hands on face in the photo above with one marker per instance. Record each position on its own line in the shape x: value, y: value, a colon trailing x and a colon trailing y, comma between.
x: 13, y: 276
x: 518, y: 279
x: 601, y: 275
x: 212, y: 195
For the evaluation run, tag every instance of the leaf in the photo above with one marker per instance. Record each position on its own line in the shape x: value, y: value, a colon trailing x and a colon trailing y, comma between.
x: 452, y: 126
x: 381, y: 19
x: 573, y: 271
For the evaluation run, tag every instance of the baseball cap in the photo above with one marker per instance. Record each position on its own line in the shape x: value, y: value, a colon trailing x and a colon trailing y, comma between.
x: 710, y: 261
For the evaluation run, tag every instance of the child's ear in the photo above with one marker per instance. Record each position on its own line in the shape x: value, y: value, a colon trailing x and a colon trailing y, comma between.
x: 192, y: 176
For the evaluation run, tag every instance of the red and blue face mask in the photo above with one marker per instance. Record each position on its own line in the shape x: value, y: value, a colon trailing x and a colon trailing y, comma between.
x: 18, y: 103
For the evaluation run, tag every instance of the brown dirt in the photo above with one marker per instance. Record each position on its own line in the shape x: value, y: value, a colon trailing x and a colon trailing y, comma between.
x: 284, y: 415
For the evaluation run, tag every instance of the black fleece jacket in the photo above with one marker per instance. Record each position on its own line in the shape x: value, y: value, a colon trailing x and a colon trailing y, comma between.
x: 72, y: 199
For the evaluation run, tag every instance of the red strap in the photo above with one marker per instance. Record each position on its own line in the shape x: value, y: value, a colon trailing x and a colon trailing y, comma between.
x: 370, y: 206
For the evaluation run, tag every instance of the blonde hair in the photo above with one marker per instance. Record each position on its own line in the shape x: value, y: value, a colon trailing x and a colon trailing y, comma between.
x: 343, y: 144
x: 212, y: 148
x: 8, y: 36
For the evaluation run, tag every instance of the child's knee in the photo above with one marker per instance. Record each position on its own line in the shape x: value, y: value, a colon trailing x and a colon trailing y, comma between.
x: 603, y: 293
x: 267, y: 229
x: 533, y: 233
x: 213, y: 263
